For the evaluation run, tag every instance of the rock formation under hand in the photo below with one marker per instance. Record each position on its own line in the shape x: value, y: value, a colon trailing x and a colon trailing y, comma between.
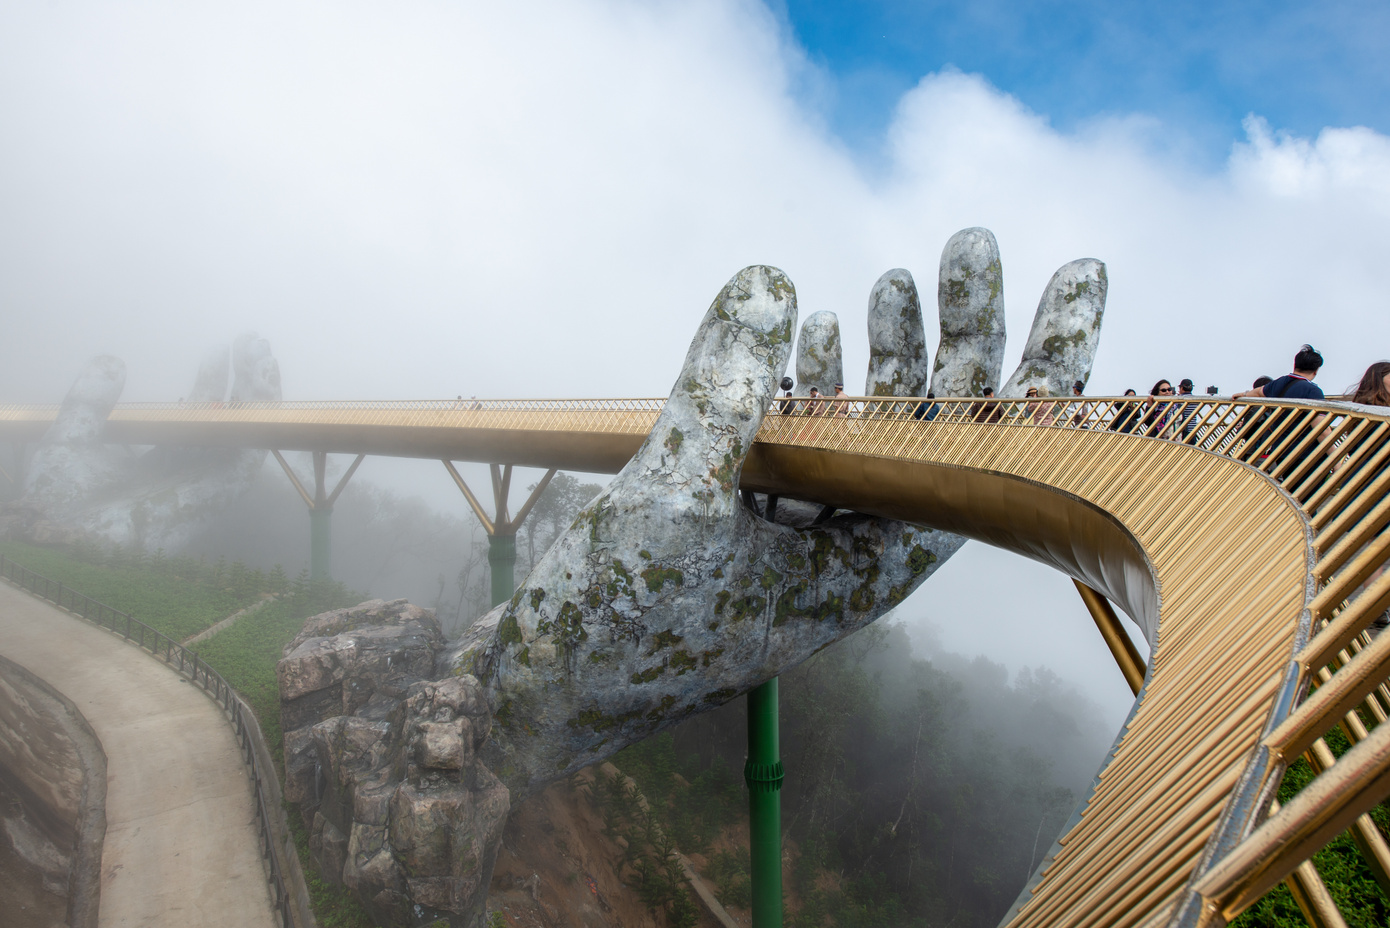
x: 382, y: 759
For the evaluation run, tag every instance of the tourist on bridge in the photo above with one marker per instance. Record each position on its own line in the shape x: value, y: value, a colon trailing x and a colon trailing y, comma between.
x: 842, y: 400
x: 1079, y: 411
x: 1157, y: 419
x: 1039, y: 413
x: 989, y: 412
x: 1128, y: 417
x: 1187, y: 413
x: 1374, y: 387
x: 787, y: 406
x: 1252, y: 419
x: 927, y: 411
x: 1295, y: 386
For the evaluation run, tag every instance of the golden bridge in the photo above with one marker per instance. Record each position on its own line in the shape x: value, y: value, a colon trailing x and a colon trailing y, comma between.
x: 1246, y: 540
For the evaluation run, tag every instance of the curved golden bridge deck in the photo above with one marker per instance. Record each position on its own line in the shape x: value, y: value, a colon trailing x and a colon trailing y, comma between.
x: 1246, y: 540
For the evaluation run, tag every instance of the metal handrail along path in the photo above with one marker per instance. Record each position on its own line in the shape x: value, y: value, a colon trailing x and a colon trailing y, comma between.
x: 239, y: 715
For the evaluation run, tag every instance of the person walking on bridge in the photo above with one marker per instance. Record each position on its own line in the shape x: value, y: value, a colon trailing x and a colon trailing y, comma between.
x: 1295, y: 386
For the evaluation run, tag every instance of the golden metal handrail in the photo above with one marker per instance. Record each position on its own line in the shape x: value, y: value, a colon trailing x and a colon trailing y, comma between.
x: 1245, y: 538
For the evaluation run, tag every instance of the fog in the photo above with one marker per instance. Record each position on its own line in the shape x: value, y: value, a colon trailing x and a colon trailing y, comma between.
x: 429, y: 200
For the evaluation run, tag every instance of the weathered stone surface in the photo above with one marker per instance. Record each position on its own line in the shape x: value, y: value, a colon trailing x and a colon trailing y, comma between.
x: 667, y: 597
x: 899, y: 361
x: 72, y: 463
x: 403, y: 810
x: 819, y: 357
x: 970, y: 300
x: 1066, y: 331
x: 79, y: 488
x: 345, y: 658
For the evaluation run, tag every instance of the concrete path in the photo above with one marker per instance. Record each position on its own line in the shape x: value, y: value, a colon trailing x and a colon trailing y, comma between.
x: 181, y: 840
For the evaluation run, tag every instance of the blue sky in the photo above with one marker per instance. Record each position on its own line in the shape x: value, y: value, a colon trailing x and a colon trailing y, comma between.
x: 1198, y: 67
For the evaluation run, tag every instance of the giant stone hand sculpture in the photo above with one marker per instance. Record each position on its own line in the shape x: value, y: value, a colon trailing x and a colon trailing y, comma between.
x: 668, y: 596
x: 79, y: 488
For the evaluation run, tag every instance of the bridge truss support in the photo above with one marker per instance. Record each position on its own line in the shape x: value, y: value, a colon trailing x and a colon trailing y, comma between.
x: 502, y: 528
x: 320, y: 510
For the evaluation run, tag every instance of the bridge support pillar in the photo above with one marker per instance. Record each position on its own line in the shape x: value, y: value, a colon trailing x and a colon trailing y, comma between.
x: 501, y: 557
x: 501, y: 528
x: 320, y: 510
x: 763, y: 774
x: 320, y: 543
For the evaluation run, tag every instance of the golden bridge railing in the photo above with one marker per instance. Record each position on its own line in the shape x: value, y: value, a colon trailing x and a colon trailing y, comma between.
x: 1224, y: 740
x: 1268, y: 524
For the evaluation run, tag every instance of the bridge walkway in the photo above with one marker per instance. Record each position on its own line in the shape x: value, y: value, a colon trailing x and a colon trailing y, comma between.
x: 182, y: 848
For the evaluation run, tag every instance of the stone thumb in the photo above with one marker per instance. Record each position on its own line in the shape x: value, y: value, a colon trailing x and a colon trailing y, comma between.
x: 1066, y: 331
x: 82, y: 417
x: 725, y: 387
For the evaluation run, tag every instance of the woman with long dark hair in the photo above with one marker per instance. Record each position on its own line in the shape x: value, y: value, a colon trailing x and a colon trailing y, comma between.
x: 1374, y: 388
x: 1156, y: 419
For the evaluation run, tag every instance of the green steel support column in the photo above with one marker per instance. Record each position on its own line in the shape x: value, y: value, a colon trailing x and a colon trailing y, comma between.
x: 763, y: 774
x: 501, y: 556
x: 320, y: 543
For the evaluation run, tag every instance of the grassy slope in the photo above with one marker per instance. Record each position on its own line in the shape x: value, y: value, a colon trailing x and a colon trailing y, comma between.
x: 162, y: 600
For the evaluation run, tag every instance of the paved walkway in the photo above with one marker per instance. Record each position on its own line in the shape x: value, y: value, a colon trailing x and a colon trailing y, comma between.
x: 181, y: 841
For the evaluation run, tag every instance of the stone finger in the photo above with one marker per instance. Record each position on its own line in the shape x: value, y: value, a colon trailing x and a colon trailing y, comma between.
x: 71, y: 462
x: 819, y: 360
x: 256, y: 374
x: 1066, y: 330
x: 970, y: 299
x: 899, y: 363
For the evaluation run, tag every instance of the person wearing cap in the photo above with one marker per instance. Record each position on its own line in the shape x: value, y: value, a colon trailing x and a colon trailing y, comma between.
x: 1187, y: 413
x: 842, y: 406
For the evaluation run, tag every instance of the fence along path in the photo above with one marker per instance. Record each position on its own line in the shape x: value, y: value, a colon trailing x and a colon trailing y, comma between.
x: 1247, y: 540
x: 185, y: 835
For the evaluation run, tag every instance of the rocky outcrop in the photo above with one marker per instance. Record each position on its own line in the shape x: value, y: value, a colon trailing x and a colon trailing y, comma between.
x: 78, y: 487
x: 52, y: 805
x: 383, y: 761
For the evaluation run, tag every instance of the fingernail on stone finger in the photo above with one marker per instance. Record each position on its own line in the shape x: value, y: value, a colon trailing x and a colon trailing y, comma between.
x: 1066, y: 330
x: 899, y: 364
x: 819, y: 360
x: 970, y: 299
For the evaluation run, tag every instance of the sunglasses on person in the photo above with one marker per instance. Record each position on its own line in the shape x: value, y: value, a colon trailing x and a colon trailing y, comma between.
x: 1165, y: 389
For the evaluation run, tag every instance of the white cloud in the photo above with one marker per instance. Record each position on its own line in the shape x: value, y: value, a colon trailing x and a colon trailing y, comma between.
x: 541, y: 199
